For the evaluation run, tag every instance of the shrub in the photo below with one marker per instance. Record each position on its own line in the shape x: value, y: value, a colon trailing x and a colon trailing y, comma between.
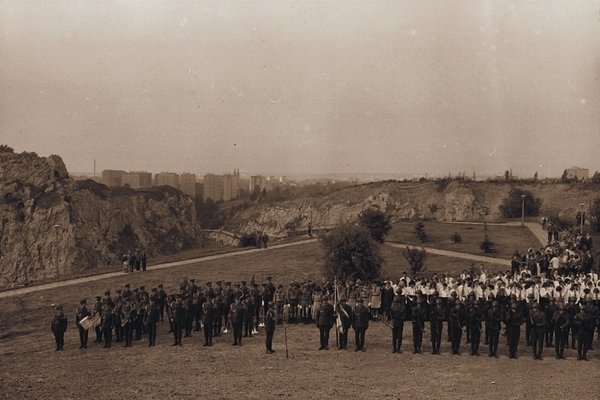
x: 377, y: 223
x: 420, y: 231
x: 456, y: 238
x: 416, y: 260
x: 511, y: 206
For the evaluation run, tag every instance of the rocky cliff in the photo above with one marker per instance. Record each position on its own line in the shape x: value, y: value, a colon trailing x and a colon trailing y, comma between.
x: 51, y: 225
x: 453, y: 201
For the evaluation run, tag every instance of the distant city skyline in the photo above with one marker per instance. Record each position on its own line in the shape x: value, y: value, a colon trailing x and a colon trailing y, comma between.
x: 304, y: 88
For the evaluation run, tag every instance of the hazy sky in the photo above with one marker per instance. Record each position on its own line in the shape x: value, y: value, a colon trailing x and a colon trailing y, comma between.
x: 295, y: 87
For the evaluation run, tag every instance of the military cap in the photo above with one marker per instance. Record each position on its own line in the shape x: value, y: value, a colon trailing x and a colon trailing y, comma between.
x: 219, y: 282
x: 98, y: 297
x: 107, y: 293
x: 59, y: 307
x: 209, y: 283
x: 160, y: 285
x: 192, y: 280
x: 119, y: 291
x: 154, y: 289
x: 280, y: 286
x: 243, y: 282
x: 269, y: 277
x: 142, y: 287
x: 127, y: 285
x: 237, y: 284
x: 227, y: 283
x: 83, y: 301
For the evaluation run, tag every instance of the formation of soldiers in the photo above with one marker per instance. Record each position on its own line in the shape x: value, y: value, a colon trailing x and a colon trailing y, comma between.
x: 553, y: 310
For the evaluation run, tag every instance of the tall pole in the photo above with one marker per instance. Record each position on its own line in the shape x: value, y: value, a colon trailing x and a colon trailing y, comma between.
x: 335, y: 305
x: 581, y: 219
x: 56, y: 228
x: 522, y: 210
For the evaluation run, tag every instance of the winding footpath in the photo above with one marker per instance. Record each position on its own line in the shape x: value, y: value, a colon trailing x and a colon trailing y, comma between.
x: 535, y: 228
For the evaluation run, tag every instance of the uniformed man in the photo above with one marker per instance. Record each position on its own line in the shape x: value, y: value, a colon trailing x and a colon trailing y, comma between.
x: 397, y: 317
x: 585, y: 325
x: 324, y: 320
x: 436, y: 318
x: 514, y: 320
x: 270, y: 320
x: 418, y: 315
x: 360, y: 324
x: 493, y: 322
x: 538, y: 330
x: 98, y: 311
x: 562, y: 322
x: 58, y: 326
x: 161, y: 301
x: 152, y: 317
x: 236, y: 319
x: 208, y: 319
x: 82, y: 312
x: 456, y: 321
x: 178, y: 312
x: 474, y: 318
x: 345, y: 316
x: 108, y: 323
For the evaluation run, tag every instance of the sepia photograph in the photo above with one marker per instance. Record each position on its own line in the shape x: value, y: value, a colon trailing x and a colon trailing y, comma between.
x: 300, y: 199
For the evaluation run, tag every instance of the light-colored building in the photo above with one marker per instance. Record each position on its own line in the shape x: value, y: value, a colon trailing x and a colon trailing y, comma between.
x: 213, y: 187
x: 187, y: 184
x: 113, y: 177
x: 166, y: 178
x: 231, y: 183
x: 137, y: 179
x: 579, y: 173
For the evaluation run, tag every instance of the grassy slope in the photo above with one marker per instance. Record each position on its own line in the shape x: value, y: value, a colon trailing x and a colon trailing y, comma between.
x: 36, y: 371
x: 507, y: 239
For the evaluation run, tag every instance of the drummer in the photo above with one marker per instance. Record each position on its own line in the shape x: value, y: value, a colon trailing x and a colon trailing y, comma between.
x: 82, y: 312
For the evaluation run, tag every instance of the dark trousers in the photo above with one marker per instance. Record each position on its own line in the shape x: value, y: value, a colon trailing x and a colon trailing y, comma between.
x: 574, y: 336
x: 269, y: 339
x: 138, y: 329
x: 128, y: 335
x: 537, y: 342
x: 562, y: 340
x: 208, y: 332
x: 118, y: 332
x: 237, y: 332
x: 98, y: 330
x: 455, y: 338
x: 493, y: 339
x: 324, y: 336
x: 550, y: 335
x: 177, y: 332
x: 528, y: 333
x: 189, y: 323
x: 151, y: 327
x: 583, y: 344
x: 107, y: 332
x: 217, y: 326
x: 513, y: 334
x: 397, y: 337
x: 417, y: 337
x: 161, y: 311
x: 359, y: 336
x: 83, y: 338
x: 248, y: 328
x: 436, y: 336
x: 59, y: 338
x: 475, y: 339
x: 344, y: 338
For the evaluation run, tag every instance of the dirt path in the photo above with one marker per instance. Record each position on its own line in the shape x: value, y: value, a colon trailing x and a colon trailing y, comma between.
x: 76, y: 281
x: 455, y: 254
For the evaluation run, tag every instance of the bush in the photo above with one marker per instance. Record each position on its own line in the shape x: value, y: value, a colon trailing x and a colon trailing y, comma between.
x: 6, y: 149
x: 511, y: 206
x: 456, y: 238
x: 350, y: 253
x: 420, y: 231
x: 248, y: 240
x: 486, y: 245
x: 416, y: 260
x: 377, y: 223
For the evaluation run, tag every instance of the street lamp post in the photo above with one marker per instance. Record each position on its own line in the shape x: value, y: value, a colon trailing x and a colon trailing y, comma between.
x: 523, y: 210
x: 56, y: 228
x: 582, y: 205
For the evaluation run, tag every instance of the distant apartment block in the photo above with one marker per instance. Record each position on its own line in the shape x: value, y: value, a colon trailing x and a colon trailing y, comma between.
x: 187, y: 184
x: 579, y: 173
x: 231, y: 183
x: 213, y: 187
x: 257, y: 180
x: 112, y: 177
x: 166, y: 178
x: 137, y: 179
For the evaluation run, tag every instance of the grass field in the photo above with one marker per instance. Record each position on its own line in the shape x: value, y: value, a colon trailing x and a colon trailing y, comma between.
x: 31, y: 369
x: 506, y: 239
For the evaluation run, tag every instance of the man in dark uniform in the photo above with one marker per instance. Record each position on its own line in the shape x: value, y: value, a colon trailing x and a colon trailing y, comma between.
x: 161, y: 301
x: 248, y: 316
x: 208, y: 319
x: 493, y: 322
x: 188, y: 305
x: 178, y: 312
x: 538, y: 330
x: 360, y: 324
x: 456, y: 322
x: 82, y: 312
x: 268, y: 293
x: 397, y: 313
x: 436, y: 318
x: 108, y: 323
x: 270, y: 322
x: 345, y: 315
x: 527, y: 309
x: 236, y: 319
x: 474, y: 318
x: 128, y: 317
x: 152, y: 316
x: 585, y: 325
x: 514, y: 320
x: 324, y: 321
x: 59, y: 327
x: 419, y: 315
x: 550, y: 309
x: 228, y: 299
x: 562, y: 322
x: 219, y: 306
x: 98, y: 311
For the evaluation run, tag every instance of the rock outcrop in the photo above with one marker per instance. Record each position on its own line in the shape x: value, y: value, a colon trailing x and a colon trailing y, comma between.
x: 446, y: 202
x: 51, y: 225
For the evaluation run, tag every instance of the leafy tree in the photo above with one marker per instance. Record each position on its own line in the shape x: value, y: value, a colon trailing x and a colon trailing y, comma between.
x: 596, y: 177
x: 595, y: 215
x: 511, y: 205
x: 377, y: 222
x: 6, y: 149
x: 351, y: 253
x: 416, y: 260
x: 456, y: 238
x: 208, y: 214
x: 420, y: 231
x: 486, y: 245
